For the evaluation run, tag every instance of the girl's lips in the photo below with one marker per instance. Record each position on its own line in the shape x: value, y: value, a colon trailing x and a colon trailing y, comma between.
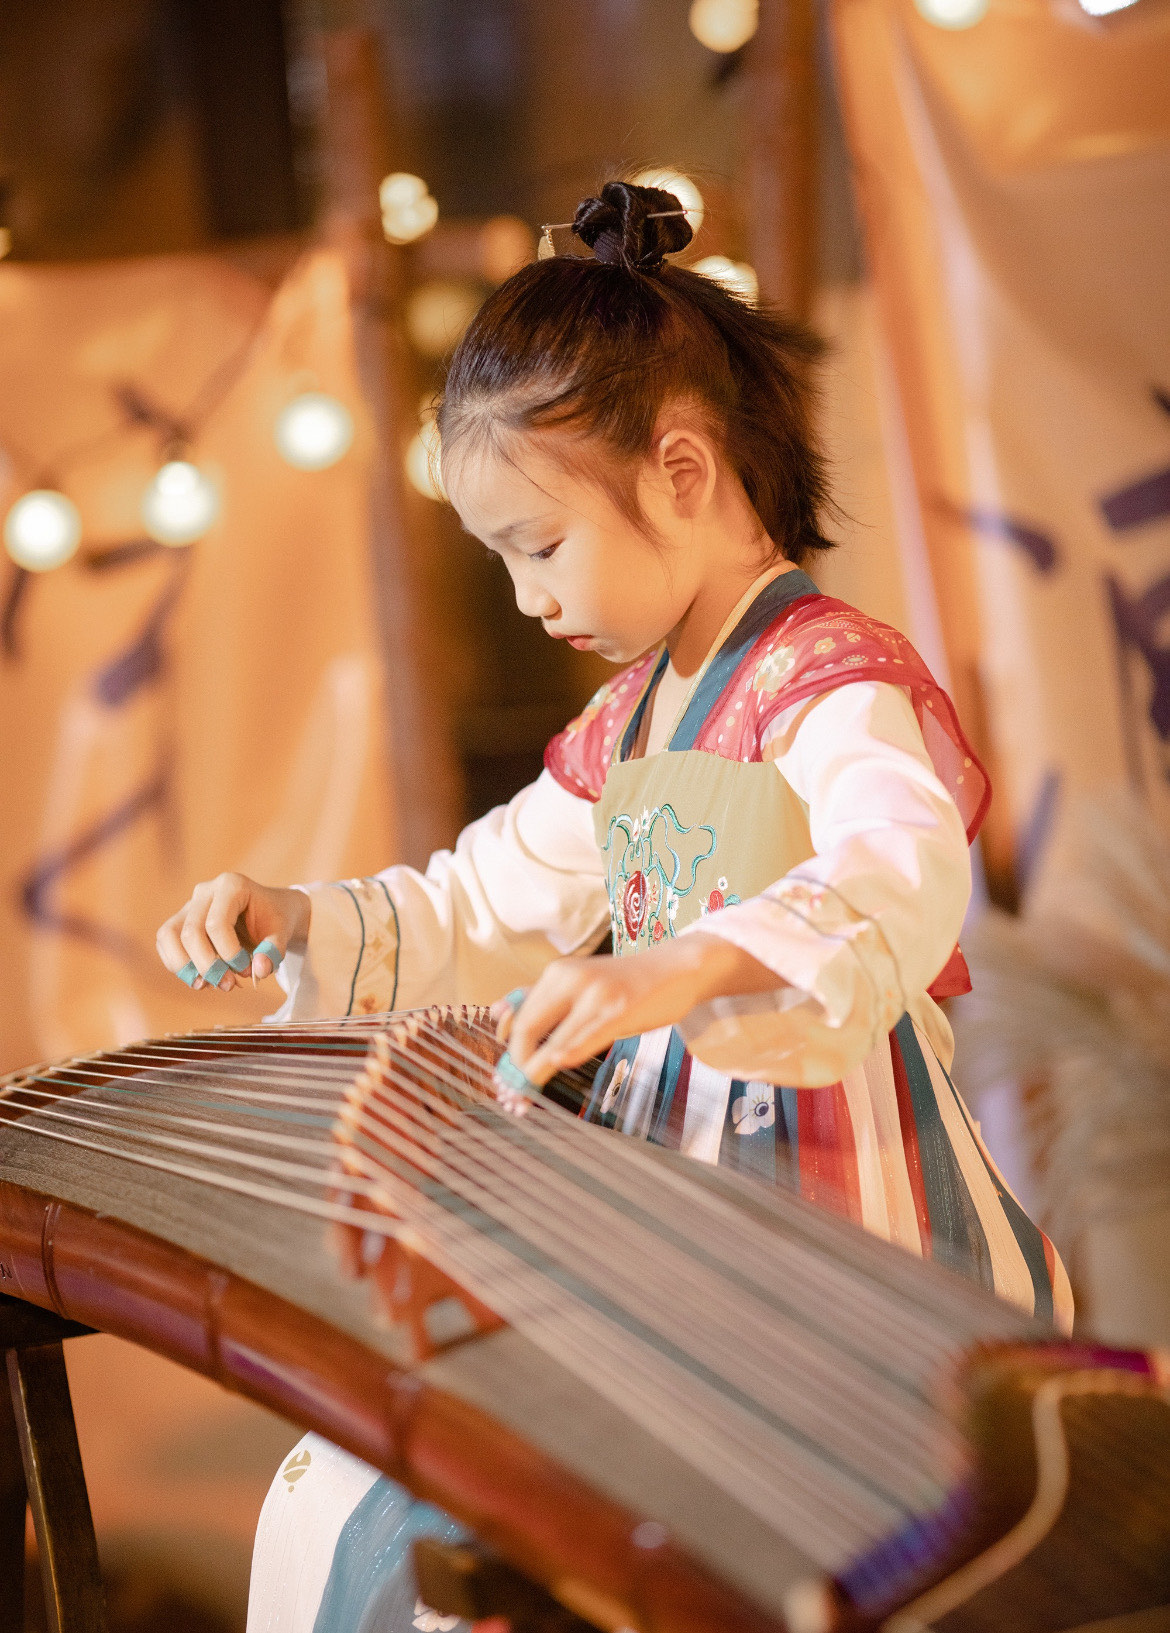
x: 581, y: 642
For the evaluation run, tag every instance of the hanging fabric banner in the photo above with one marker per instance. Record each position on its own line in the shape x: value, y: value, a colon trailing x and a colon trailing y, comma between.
x: 1014, y: 179
x: 169, y: 712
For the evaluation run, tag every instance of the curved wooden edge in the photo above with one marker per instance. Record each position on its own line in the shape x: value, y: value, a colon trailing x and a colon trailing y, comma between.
x: 99, y: 1271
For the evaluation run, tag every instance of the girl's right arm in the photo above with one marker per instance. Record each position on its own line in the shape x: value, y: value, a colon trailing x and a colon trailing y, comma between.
x: 523, y: 885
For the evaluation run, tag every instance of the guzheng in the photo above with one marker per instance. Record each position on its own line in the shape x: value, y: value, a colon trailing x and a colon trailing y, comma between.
x: 677, y: 1398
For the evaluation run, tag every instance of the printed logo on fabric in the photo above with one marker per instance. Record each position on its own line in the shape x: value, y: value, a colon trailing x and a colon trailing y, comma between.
x: 297, y: 1465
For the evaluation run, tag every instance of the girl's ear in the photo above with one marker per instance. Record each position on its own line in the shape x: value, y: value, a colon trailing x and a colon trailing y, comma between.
x: 686, y: 461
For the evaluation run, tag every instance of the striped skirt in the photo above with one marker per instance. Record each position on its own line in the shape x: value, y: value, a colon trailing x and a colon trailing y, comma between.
x: 891, y: 1146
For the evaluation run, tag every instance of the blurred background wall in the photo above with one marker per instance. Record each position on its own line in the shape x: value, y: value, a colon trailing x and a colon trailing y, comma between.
x: 299, y: 666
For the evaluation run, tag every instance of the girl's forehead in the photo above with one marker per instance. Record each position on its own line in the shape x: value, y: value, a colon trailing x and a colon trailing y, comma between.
x: 492, y: 492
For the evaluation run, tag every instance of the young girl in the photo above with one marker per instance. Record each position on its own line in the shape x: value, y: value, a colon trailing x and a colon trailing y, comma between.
x: 768, y: 808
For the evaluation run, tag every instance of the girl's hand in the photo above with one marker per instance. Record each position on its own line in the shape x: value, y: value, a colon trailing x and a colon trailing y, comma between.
x: 232, y: 924
x: 579, y: 1006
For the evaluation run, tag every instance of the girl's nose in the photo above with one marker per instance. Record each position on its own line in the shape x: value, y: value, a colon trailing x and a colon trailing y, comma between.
x: 533, y: 599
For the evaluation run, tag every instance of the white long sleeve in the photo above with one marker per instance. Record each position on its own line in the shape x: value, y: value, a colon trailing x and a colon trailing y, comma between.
x: 524, y: 885
x: 855, y: 934
x: 864, y: 926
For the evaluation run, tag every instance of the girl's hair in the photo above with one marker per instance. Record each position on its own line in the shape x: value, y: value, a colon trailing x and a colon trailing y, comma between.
x: 597, y: 345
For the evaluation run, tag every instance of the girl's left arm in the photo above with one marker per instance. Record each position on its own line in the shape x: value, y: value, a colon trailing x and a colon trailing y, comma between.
x: 804, y: 979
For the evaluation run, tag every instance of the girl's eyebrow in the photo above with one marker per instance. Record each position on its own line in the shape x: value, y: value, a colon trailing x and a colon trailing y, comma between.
x: 509, y: 528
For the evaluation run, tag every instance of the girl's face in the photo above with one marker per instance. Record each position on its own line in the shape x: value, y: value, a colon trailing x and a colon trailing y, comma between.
x: 578, y: 564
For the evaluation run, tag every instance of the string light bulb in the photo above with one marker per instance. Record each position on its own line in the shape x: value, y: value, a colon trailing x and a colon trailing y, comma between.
x: 737, y: 276
x: 505, y: 245
x: 683, y: 188
x: 724, y: 25
x: 422, y: 454
x: 314, y: 431
x: 951, y: 13
x: 438, y: 312
x: 42, y: 530
x: 180, y: 504
x: 408, y: 210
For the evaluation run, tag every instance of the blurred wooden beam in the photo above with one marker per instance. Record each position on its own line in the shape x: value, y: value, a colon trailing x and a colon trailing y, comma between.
x: 358, y: 150
x: 781, y: 128
x: 235, y: 57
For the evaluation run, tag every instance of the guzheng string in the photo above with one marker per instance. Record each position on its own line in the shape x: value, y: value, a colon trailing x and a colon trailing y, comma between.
x: 781, y: 1375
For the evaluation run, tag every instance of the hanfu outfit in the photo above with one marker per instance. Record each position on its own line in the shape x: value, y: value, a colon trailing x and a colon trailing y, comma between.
x: 812, y: 801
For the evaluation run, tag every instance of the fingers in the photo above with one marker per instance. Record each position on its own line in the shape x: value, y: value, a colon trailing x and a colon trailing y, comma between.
x: 198, y: 944
x: 503, y: 1011
x: 201, y: 944
x: 545, y: 1006
x: 225, y: 913
x: 170, y: 949
x: 267, y: 955
x: 590, y: 1008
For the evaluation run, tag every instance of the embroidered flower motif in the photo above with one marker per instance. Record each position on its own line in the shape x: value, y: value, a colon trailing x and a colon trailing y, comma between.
x: 721, y: 884
x: 754, y: 1110
x: 772, y: 668
x: 852, y: 636
x: 634, y: 904
x: 658, y: 931
x: 592, y: 709
x: 429, y: 1621
x: 854, y: 657
x: 714, y: 902
x: 826, y: 645
x: 614, y: 1086
x: 655, y: 891
x: 671, y: 904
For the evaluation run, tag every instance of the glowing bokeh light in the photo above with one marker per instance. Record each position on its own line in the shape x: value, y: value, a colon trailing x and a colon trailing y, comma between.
x: 408, y: 210
x: 683, y: 188
x: 1104, y: 8
x: 314, y: 431
x: 438, y: 312
x: 505, y: 244
x: 42, y: 530
x: 724, y: 25
x: 952, y: 13
x: 422, y: 456
x: 737, y: 276
x: 180, y: 504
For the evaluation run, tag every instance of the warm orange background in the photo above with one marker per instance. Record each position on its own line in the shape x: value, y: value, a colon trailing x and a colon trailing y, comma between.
x: 248, y: 733
x: 1014, y: 179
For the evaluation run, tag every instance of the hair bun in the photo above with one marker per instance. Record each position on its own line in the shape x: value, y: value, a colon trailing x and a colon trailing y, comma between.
x: 628, y: 226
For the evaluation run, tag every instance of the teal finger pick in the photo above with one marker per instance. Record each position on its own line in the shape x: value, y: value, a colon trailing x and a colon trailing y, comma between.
x: 509, y: 1076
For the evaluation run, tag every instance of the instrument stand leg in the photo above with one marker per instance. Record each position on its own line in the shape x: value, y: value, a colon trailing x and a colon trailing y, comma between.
x: 40, y: 1464
x: 13, y: 1505
x: 469, y: 1581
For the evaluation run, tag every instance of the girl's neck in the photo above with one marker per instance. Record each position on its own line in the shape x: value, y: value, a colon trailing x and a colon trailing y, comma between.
x: 691, y: 639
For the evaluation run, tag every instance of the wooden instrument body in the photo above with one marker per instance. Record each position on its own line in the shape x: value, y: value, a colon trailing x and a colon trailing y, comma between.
x: 620, y: 1530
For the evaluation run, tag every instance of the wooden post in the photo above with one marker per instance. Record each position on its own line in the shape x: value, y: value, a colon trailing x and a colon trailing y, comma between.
x: 781, y: 133
x: 358, y: 147
x: 13, y: 1505
x: 74, y: 1599
x: 40, y: 1468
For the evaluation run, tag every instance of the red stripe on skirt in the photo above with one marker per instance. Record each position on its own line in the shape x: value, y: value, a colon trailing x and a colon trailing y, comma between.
x: 672, y: 1134
x: 910, y: 1145
x: 1049, y: 1260
x: 827, y: 1151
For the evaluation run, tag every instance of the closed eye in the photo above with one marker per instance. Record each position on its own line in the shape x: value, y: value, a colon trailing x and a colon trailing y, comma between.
x: 543, y: 555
